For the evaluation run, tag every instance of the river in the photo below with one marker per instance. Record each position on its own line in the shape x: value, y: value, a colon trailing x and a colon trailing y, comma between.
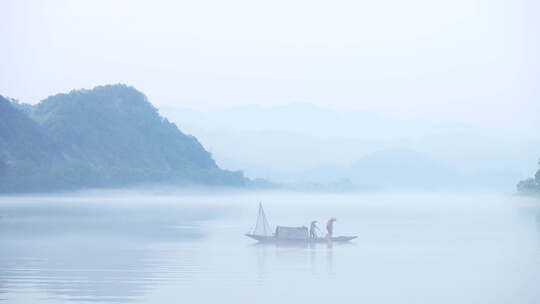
x: 163, y: 247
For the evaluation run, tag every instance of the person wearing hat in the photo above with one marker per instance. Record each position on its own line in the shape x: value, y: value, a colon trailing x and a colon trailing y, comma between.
x: 312, y: 227
x: 330, y: 226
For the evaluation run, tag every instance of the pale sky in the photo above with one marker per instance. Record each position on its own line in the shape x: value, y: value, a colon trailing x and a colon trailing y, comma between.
x: 454, y: 61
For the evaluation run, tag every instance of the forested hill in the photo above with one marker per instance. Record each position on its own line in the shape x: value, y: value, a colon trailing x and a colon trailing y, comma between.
x: 530, y: 185
x: 109, y: 136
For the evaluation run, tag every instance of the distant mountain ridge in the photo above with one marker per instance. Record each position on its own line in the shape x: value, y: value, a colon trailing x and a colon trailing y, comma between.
x: 388, y: 169
x: 285, y: 143
x: 105, y: 137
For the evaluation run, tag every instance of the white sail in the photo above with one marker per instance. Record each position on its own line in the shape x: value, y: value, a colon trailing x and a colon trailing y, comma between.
x: 262, y: 227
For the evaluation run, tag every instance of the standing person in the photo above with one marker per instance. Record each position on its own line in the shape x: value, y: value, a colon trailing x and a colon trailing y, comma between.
x: 330, y: 226
x: 312, y: 227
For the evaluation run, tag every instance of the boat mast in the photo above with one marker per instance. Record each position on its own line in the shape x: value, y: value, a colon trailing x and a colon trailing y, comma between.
x: 262, y: 227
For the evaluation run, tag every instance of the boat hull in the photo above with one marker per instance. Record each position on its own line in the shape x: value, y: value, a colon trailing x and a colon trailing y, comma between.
x: 273, y: 239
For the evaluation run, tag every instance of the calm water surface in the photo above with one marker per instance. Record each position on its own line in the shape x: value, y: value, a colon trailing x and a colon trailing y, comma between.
x: 141, y: 248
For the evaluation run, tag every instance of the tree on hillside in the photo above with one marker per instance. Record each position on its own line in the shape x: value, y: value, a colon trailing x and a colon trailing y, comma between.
x: 530, y: 185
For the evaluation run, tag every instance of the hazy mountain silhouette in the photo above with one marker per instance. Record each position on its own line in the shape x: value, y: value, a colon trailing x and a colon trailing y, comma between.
x: 300, y: 142
x: 389, y: 169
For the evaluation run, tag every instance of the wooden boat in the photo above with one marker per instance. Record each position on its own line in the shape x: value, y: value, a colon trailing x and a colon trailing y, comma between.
x: 263, y: 233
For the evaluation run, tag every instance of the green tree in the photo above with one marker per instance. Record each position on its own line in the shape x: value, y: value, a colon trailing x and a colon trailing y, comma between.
x: 530, y: 185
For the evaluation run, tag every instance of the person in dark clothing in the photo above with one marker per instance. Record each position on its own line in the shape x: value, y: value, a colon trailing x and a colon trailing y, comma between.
x: 312, y: 228
x: 330, y: 226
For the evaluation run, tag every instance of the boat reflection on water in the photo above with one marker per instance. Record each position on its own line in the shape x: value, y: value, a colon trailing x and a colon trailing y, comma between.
x: 302, y: 245
x: 314, y: 258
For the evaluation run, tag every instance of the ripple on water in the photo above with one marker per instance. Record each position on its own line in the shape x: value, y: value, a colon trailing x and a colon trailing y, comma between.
x: 71, y: 272
x: 482, y: 253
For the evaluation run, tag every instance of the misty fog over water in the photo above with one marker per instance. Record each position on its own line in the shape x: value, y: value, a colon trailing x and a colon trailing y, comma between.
x: 138, y: 247
x: 139, y: 141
